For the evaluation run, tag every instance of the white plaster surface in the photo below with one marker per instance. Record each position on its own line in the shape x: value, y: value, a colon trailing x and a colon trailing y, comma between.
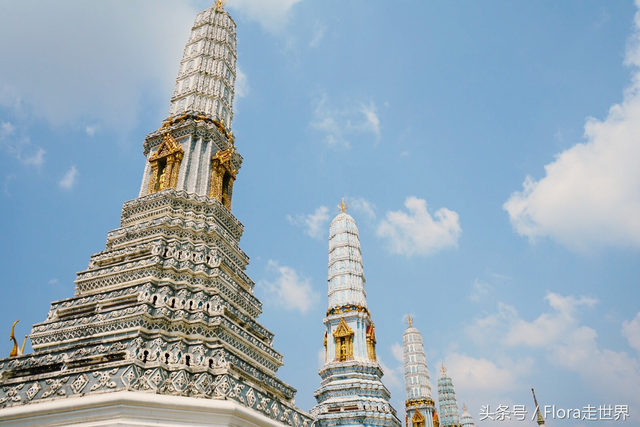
x: 133, y: 409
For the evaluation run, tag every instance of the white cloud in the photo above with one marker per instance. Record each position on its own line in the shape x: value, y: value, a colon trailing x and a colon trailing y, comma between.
x: 589, y: 197
x: 566, y: 343
x: 363, y: 206
x: 242, y: 83
x: 372, y: 123
x: 339, y: 125
x: 289, y: 291
x: 20, y: 147
x: 321, y: 357
x: 482, y: 374
x: 82, y: 60
x: 70, y: 178
x: 271, y: 14
x: 315, y: 224
x: 318, y: 35
x: 631, y: 331
x: 53, y: 282
x: 393, y: 378
x: 479, y: 290
x: 549, y: 327
x: 91, y: 130
x: 398, y: 352
x: 418, y: 232
x: 7, y: 182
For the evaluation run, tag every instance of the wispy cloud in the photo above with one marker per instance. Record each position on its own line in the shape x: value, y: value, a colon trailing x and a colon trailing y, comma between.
x: 473, y: 373
x: 418, y: 232
x: 91, y: 130
x: 318, y: 35
x: 363, y: 206
x: 20, y: 147
x: 70, y: 178
x: 566, y: 342
x: 631, y: 331
x: 273, y: 15
x: 7, y: 182
x: 340, y: 125
x: 289, y: 291
x: 315, y: 224
x: 149, y: 40
x: 589, y: 198
x: 480, y: 290
x: 242, y: 83
x: 398, y: 352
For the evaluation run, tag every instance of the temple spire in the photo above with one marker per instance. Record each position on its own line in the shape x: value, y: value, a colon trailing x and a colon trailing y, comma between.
x: 466, y: 420
x: 540, y: 418
x: 420, y: 407
x: 351, y: 392
x: 206, y: 79
x: 346, y: 273
x: 449, y: 412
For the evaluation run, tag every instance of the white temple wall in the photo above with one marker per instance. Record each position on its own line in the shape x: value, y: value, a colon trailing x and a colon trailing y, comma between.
x: 134, y: 409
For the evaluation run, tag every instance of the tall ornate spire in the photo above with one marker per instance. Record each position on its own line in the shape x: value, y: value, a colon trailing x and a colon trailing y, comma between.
x: 206, y: 79
x: 351, y: 392
x: 165, y: 314
x: 195, y: 151
x: 346, y: 274
x: 449, y: 412
x: 419, y: 405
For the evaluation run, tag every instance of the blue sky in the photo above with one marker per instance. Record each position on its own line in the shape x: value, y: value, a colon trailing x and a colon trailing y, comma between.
x: 489, y: 151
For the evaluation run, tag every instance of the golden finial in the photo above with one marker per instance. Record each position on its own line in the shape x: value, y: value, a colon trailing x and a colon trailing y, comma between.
x: 342, y: 207
x: 220, y: 4
x: 443, y: 369
x: 410, y: 321
x: 464, y: 407
x: 16, y: 351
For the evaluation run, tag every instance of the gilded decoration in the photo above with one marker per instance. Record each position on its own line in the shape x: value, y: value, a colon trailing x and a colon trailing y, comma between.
x: 418, y: 419
x: 347, y: 309
x: 343, y: 337
x: 165, y: 164
x: 16, y: 351
x: 223, y: 175
x: 422, y: 401
x: 371, y: 343
x: 325, y: 347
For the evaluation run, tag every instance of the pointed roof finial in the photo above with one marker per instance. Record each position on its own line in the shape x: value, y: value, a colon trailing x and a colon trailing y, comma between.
x: 220, y: 4
x: 464, y: 407
x: 540, y: 417
x: 410, y: 321
x: 443, y: 369
x: 342, y: 207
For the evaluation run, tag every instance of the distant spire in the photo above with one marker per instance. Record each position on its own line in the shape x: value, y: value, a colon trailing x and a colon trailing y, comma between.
x: 416, y: 377
x: 466, y: 420
x: 449, y: 414
x: 540, y: 418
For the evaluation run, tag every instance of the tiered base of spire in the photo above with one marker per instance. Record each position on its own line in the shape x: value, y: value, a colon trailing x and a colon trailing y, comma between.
x: 352, y: 393
x: 165, y: 309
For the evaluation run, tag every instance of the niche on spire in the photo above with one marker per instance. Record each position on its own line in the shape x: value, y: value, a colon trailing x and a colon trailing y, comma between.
x: 223, y: 175
x: 325, y: 347
x: 371, y: 343
x: 418, y: 419
x: 343, y: 337
x: 165, y: 165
